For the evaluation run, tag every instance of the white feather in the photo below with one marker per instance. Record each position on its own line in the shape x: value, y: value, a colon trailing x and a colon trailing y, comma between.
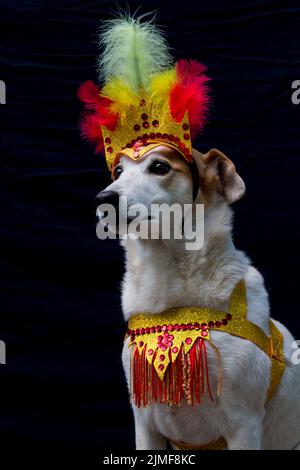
x: 133, y: 50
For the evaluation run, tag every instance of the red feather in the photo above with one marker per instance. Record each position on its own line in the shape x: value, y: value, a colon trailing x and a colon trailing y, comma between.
x: 190, y: 93
x: 188, y: 69
x: 89, y: 94
x: 99, y: 114
x: 91, y: 130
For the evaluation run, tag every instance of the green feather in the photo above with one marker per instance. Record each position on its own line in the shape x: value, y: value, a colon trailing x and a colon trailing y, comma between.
x: 132, y: 50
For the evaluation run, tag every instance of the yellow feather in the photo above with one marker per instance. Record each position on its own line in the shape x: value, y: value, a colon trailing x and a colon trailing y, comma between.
x: 161, y: 85
x: 121, y: 94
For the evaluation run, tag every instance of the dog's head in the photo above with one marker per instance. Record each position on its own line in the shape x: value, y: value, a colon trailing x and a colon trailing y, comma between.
x: 162, y: 176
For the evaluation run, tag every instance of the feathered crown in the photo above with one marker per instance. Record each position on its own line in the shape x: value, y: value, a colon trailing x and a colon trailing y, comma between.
x: 146, y: 100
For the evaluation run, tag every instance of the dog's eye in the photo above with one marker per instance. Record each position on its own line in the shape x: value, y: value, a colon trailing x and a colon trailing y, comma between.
x: 159, y: 167
x: 117, y: 172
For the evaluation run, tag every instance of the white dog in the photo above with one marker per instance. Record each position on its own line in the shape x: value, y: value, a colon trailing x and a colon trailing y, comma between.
x: 161, y: 274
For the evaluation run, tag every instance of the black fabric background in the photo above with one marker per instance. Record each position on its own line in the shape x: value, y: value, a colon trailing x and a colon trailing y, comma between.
x: 63, y: 384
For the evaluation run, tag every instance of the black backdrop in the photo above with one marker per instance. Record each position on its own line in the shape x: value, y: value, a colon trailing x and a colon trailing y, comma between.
x: 63, y: 384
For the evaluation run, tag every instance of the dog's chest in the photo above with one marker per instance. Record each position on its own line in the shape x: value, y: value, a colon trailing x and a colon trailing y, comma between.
x: 157, y: 279
x: 202, y: 423
x: 180, y: 422
x: 154, y: 290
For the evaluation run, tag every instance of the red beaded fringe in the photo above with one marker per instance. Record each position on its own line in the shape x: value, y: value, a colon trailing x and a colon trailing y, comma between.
x: 187, y: 377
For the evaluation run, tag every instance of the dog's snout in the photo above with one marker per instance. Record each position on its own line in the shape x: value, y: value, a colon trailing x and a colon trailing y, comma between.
x: 108, y: 197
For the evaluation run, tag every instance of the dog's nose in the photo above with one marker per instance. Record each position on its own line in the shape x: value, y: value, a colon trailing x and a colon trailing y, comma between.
x: 107, y: 197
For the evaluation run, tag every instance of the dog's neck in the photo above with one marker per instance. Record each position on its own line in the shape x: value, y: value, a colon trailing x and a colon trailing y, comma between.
x: 161, y: 273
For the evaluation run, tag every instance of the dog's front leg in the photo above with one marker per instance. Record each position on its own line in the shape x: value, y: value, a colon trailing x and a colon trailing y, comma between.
x: 246, y: 435
x: 146, y: 436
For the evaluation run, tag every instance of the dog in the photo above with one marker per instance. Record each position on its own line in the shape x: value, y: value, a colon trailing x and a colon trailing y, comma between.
x: 162, y: 274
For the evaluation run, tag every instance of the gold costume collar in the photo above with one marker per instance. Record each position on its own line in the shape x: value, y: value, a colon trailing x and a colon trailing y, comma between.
x: 168, y: 362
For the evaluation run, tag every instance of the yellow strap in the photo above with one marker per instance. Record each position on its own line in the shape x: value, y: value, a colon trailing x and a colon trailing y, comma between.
x: 277, y: 357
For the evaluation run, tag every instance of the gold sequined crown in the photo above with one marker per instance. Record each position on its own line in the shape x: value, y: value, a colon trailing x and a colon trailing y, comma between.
x: 146, y: 100
x: 144, y: 127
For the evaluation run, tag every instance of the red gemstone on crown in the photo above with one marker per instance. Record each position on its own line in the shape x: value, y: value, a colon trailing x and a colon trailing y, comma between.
x: 158, y: 328
x: 110, y: 149
x: 136, y: 127
x: 218, y: 324
x: 146, y: 124
x: 150, y: 352
x: 211, y: 324
x: 224, y: 321
x: 161, y: 367
x: 155, y: 123
x: 108, y: 140
x: 152, y: 329
x: 185, y: 127
x: 141, y: 343
x: 186, y: 136
x: 188, y: 340
x: 229, y: 316
x: 144, y: 116
x: 152, y: 135
x: 162, y: 357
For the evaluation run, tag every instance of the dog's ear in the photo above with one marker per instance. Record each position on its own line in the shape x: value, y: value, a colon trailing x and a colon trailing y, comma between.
x: 217, y: 174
